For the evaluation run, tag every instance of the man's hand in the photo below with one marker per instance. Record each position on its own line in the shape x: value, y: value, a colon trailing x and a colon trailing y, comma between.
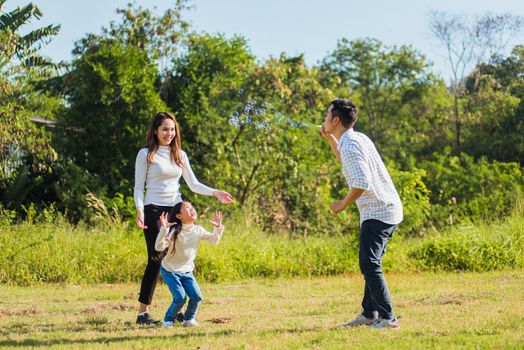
x: 338, y: 206
x: 333, y: 142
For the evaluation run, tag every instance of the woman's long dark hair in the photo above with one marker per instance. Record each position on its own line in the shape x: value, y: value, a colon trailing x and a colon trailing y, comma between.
x: 152, y: 138
x: 176, y: 228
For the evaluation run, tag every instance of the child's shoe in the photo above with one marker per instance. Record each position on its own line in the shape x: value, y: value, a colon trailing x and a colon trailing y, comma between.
x: 167, y: 324
x: 190, y: 323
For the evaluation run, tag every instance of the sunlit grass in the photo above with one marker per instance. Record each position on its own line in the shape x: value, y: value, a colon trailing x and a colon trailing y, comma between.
x: 444, y: 310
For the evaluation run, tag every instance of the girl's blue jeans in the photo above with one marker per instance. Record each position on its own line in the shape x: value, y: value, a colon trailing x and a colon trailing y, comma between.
x: 182, y: 285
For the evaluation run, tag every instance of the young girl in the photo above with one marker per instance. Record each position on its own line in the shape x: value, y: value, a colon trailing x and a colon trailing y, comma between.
x: 177, y: 267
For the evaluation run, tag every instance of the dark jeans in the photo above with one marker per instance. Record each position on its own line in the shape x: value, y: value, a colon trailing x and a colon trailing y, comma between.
x: 374, y: 236
x: 152, y: 221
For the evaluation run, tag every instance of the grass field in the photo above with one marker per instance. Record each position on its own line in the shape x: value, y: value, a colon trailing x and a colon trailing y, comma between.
x: 443, y: 310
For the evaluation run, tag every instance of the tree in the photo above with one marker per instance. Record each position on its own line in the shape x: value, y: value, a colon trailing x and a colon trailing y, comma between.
x: 111, y: 97
x: 400, y: 101
x: 495, y: 92
x: 23, y: 48
x: 26, y: 153
x: 159, y: 36
x: 245, y: 128
x: 469, y: 43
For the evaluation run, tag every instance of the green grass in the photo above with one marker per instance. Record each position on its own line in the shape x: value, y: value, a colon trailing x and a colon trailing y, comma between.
x: 436, y: 311
x: 61, y: 253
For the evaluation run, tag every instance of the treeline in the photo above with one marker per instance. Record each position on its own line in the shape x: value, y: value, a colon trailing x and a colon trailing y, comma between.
x: 455, y: 153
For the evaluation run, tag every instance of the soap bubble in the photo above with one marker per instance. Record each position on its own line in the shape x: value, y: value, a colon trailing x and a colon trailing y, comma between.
x: 234, y: 121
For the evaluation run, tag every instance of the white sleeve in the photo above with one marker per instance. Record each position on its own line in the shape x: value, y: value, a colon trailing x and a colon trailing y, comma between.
x: 191, y: 179
x: 140, y: 178
x: 213, y: 238
x: 162, y: 241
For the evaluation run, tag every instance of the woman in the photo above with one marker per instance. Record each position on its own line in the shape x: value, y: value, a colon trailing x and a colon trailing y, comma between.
x: 158, y: 168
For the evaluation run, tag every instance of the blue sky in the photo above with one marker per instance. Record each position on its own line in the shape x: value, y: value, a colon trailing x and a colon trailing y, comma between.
x: 311, y: 27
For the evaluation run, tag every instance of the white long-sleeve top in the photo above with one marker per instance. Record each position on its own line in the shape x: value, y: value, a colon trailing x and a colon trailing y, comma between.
x: 161, y: 179
x: 186, y: 246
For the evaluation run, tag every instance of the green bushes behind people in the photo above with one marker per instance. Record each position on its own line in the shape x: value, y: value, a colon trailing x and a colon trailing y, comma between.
x: 49, y: 250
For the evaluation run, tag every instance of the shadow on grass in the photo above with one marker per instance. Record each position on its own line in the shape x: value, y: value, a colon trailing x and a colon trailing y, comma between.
x: 105, y: 340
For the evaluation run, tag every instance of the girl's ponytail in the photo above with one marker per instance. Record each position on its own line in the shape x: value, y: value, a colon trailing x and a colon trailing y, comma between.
x: 176, y: 228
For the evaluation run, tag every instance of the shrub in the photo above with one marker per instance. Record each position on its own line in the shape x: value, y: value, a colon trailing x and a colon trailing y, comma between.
x: 463, y: 189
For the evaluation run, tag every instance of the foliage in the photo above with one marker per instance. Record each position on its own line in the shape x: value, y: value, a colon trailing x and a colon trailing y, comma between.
x: 258, y: 116
x: 18, y: 49
x: 415, y: 199
x: 111, y: 97
x: 463, y: 189
x: 402, y: 106
x: 496, y: 109
x: 469, y: 43
x: 478, y: 248
x: 47, y: 249
x: 25, y: 149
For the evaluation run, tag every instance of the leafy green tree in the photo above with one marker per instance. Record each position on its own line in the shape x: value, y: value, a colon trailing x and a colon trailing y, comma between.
x: 496, y: 109
x: 111, y: 97
x: 247, y: 128
x: 469, y: 43
x: 159, y: 36
x: 25, y: 149
x: 402, y: 105
x: 16, y: 48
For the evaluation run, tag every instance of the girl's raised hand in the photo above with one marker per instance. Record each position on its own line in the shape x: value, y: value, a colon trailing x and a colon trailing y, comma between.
x: 217, y: 219
x: 163, y: 220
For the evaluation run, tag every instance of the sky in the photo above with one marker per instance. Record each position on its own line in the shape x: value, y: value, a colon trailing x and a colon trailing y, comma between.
x: 309, y: 27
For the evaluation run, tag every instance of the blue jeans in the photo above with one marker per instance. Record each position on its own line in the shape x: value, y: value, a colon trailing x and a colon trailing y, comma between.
x: 374, y: 236
x: 181, y: 285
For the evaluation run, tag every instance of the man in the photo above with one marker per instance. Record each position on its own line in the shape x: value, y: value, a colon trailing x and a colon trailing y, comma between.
x: 378, y: 204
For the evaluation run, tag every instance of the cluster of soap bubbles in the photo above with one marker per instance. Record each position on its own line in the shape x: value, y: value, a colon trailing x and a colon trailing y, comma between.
x: 262, y: 116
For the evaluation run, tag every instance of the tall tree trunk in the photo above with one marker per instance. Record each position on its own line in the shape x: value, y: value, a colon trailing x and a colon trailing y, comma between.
x: 458, y: 123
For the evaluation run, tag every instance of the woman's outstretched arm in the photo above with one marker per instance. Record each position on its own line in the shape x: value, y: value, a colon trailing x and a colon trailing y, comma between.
x: 197, y: 187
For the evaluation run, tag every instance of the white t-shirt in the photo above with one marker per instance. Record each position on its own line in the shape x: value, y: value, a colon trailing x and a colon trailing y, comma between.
x: 161, y: 179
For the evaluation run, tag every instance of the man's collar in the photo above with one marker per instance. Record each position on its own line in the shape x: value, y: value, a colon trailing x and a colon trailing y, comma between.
x: 345, y: 135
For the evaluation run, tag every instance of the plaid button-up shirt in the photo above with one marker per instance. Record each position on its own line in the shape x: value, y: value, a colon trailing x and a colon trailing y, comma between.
x: 363, y: 168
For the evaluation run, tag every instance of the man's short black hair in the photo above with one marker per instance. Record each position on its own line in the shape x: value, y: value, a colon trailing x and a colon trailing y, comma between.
x: 346, y: 110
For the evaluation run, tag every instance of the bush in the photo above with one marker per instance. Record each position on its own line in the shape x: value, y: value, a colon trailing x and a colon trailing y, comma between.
x: 463, y: 189
x: 469, y: 248
x: 50, y: 250
x: 415, y: 199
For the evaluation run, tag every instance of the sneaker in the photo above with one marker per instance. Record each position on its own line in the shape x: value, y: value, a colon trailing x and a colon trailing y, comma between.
x: 386, y: 324
x: 145, y: 318
x: 180, y: 317
x: 361, y: 320
x: 167, y: 324
x: 190, y: 323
